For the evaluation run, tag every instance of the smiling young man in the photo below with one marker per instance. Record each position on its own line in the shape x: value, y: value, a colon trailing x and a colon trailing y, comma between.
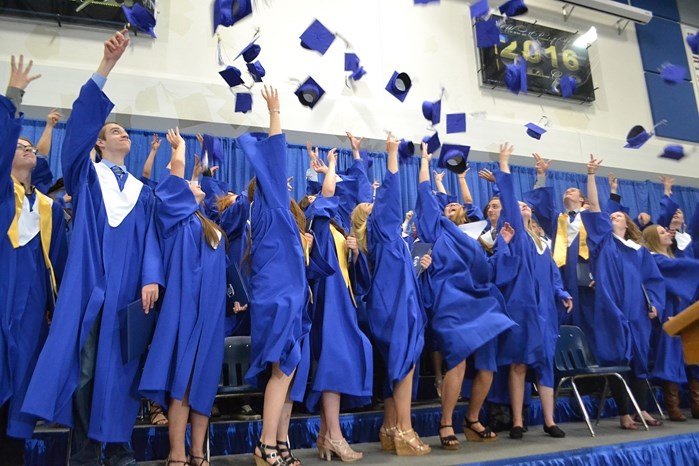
x: 81, y: 379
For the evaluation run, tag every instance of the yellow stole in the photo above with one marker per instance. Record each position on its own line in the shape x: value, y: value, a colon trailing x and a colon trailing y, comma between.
x: 341, y: 248
x: 45, y: 224
x: 561, y: 247
x: 307, y: 260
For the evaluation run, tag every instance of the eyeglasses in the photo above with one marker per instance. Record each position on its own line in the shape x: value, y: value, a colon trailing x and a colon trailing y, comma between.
x: 26, y: 148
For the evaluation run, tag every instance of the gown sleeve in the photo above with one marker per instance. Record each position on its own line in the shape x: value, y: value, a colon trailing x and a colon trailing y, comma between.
x: 668, y: 207
x: 510, y: 207
x: 10, y: 128
x: 541, y: 202
x: 365, y: 191
x: 234, y: 219
x: 268, y: 159
x: 428, y: 214
x: 598, y: 228
x: 386, y: 216
x: 90, y: 111
x: 175, y: 203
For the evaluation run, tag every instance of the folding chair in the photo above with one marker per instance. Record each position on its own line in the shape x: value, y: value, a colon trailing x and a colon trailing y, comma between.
x: 574, y: 360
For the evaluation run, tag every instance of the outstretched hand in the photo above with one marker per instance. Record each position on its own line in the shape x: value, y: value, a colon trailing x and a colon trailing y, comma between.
x: 392, y: 144
x: 487, y: 175
x: 438, y: 176
x: 593, y: 165
x: 506, y: 150
x: 567, y: 304
x: 613, y: 182
x: 155, y: 143
x: 542, y: 165
x: 174, y: 138
x: 667, y: 184
x: 271, y: 96
x: 19, y: 74
x: 312, y: 154
x: 425, y: 155
x: 53, y: 117
x: 115, y: 46
x: 354, y: 142
x: 332, y: 156
x: 507, y: 232
x: 319, y: 166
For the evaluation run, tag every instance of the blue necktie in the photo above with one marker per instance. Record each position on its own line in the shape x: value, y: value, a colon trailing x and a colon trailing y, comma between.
x: 571, y: 216
x: 120, y: 176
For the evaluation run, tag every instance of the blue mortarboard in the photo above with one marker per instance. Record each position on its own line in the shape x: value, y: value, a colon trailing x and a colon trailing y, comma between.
x: 250, y: 52
x: 317, y: 37
x: 432, y: 143
x: 453, y: 157
x: 309, y: 93
x: 673, y: 151
x: 406, y: 149
x: 351, y: 61
x: 399, y: 85
x: 256, y: 71
x: 637, y: 137
x: 424, y: 2
x: 229, y: 12
x: 456, y: 123
x: 513, y: 8
x: 535, y: 131
x: 357, y: 74
x: 214, y: 148
x: 141, y: 18
x: 232, y: 76
x: 479, y: 9
x: 487, y: 33
x: 516, y: 76
x: 432, y: 110
x: 243, y: 102
x: 693, y: 42
x: 568, y: 85
x: 673, y: 74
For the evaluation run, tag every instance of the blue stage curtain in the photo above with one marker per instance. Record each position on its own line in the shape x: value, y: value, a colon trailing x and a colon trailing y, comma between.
x: 639, y: 196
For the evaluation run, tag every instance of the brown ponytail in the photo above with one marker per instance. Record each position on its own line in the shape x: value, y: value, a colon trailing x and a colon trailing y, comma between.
x: 210, y: 231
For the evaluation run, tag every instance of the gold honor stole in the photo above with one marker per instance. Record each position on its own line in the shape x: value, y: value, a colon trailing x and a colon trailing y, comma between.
x: 561, y: 247
x: 45, y: 221
x: 341, y: 248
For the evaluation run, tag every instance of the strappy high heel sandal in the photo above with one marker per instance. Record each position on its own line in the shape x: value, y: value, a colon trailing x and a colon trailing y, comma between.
x: 284, y: 450
x: 450, y: 442
x: 341, y: 449
x: 168, y: 462
x: 320, y: 445
x: 192, y: 461
x: 408, y: 443
x: 267, y: 452
x: 473, y: 435
x: 387, y: 438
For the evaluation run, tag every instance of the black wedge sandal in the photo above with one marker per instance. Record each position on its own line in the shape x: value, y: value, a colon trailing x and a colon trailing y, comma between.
x: 168, y: 462
x: 261, y: 459
x: 201, y: 460
x: 450, y: 442
x: 287, y: 457
x: 473, y: 435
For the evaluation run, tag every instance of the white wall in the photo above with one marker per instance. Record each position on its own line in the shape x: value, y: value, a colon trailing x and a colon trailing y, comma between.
x: 174, y: 79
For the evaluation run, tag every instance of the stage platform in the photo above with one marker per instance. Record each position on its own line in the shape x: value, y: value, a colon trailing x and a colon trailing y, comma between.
x: 673, y: 444
x: 231, y: 441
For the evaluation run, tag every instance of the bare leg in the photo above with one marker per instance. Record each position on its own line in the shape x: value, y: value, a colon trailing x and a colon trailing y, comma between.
x: 546, y: 396
x: 516, y: 382
x: 402, y: 396
x: 438, y: 376
x: 453, y: 380
x: 275, y: 397
x: 479, y: 392
x: 331, y: 413
x: 390, y: 417
x: 200, y: 424
x: 178, y: 414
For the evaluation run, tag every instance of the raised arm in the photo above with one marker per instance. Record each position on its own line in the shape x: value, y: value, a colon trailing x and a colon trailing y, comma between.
x: 356, y: 143
x: 44, y: 145
x: 439, y: 181
x: 466, y: 197
x: 271, y: 96
x: 425, y: 164
x: 330, y: 180
x: 592, y: 195
x: 542, y: 167
x: 177, y: 161
x: 19, y: 80
x: 504, y: 157
x: 148, y: 164
x: 392, y: 149
x: 114, y: 48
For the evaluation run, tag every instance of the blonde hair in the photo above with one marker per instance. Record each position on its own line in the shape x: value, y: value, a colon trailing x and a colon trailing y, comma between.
x: 359, y: 219
x: 533, y: 233
x: 211, y: 231
x: 224, y: 202
x: 632, y: 231
x: 460, y: 217
x: 652, y: 239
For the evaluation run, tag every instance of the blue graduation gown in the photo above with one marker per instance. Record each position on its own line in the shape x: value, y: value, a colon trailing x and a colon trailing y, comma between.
x: 343, y: 355
x: 682, y: 283
x: 278, y: 286
x: 396, y: 318
x: 522, y: 344
x: 188, y: 341
x: 467, y: 309
x: 106, y: 269
x: 621, y: 327
x: 25, y: 284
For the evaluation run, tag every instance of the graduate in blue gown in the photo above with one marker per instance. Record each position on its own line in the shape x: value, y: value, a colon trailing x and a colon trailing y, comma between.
x: 672, y: 218
x: 343, y: 355
x: 81, y: 379
x: 622, y: 316
x: 396, y: 318
x: 32, y: 254
x: 681, y: 275
x: 146, y: 173
x: 467, y: 311
x: 531, y: 301
x: 184, y: 362
x: 278, y: 290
